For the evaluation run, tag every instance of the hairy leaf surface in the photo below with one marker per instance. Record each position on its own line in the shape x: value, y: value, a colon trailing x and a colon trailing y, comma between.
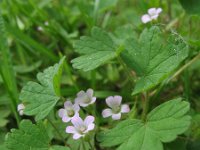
x: 163, y: 124
x: 153, y: 58
x: 40, y: 98
x: 97, y: 49
x: 28, y: 137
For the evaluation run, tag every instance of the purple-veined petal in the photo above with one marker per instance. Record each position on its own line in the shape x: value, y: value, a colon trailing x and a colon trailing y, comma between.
x: 118, y: 100
x: 146, y: 18
x: 77, y: 122
x: 71, y: 129
x: 88, y: 120
x: 116, y: 116
x: 106, y: 113
x: 125, y: 108
x: 77, y: 136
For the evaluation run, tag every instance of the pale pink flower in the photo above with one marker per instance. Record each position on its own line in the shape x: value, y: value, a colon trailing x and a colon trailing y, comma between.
x: 85, y: 98
x: 153, y: 14
x: 69, y: 112
x: 116, y: 109
x: 20, y: 109
x: 80, y: 128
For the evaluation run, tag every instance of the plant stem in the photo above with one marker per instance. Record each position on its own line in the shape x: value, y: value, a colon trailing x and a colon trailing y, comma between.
x: 59, y: 134
x: 84, y: 148
x: 185, y: 66
x: 127, y: 70
x: 145, y: 106
x: 89, y: 142
x: 68, y: 71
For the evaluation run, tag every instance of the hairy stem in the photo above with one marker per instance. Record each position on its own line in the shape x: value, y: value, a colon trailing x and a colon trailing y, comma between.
x: 145, y: 106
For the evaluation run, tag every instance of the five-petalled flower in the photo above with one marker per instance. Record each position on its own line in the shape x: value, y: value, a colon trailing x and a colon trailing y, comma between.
x: 80, y: 128
x: 115, y: 110
x: 20, y: 109
x: 69, y: 112
x: 153, y: 14
x: 85, y: 98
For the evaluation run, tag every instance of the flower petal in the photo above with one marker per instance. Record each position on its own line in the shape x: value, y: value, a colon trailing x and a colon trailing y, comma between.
x: 118, y: 100
x: 125, y: 108
x: 88, y: 120
x: 116, y: 116
x: 21, y: 112
x: 61, y: 112
x: 68, y: 104
x: 107, y: 113
x: 70, y: 129
x: 20, y: 107
x: 93, y: 100
x: 66, y: 119
x: 81, y: 93
x: 91, y: 127
x: 146, y: 18
x: 154, y: 17
x: 152, y: 11
x: 76, y: 107
x: 159, y: 10
x: 77, y: 136
x: 90, y: 92
x: 77, y: 122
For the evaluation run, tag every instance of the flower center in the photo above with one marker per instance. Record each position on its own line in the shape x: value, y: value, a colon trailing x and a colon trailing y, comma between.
x: 86, y: 99
x: 82, y: 129
x: 70, y: 112
x: 116, y: 109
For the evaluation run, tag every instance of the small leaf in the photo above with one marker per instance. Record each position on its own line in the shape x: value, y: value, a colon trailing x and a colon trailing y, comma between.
x: 163, y: 124
x: 152, y: 58
x: 40, y: 98
x: 97, y: 49
x: 28, y: 137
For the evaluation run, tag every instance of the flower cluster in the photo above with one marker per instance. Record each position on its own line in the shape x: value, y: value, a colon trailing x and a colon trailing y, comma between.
x: 70, y: 112
x: 153, y: 14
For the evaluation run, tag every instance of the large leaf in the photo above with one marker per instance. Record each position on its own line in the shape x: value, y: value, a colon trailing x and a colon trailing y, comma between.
x: 97, y: 49
x: 163, y: 124
x: 28, y: 137
x: 191, y: 6
x: 40, y: 98
x: 153, y: 58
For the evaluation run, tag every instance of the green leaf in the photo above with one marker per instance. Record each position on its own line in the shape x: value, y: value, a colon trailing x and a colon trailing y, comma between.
x: 163, y: 124
x: 153, y: 58
x: 191, y: 6
x: 28, y: 137
x: 106, y: 4
x: 97, y: 49
x: 4, y: 114
x: 40, y: 98
x: 57, y: 147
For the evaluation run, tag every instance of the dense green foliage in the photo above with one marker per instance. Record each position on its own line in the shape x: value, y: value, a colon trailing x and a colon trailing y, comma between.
x: 50, y: 50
